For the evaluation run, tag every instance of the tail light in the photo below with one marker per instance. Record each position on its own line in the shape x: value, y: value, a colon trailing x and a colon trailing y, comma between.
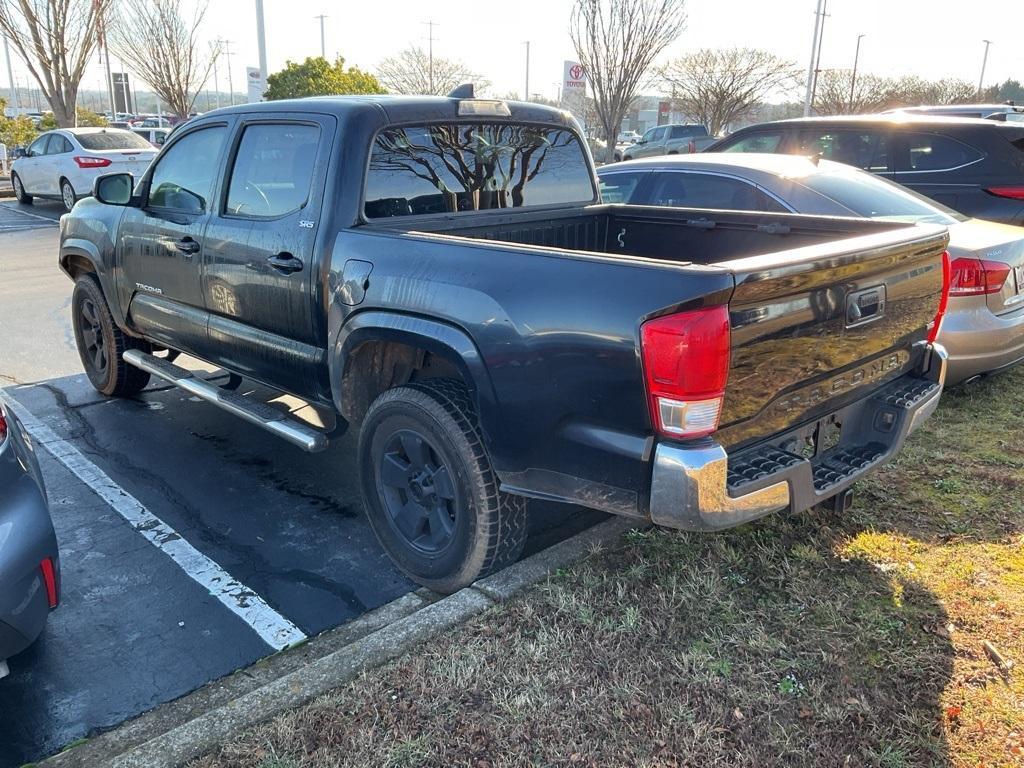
x: 3, y: 426
x: 947, y: 278
x: 686, y: 365
x: 84, y: 161
x: 691, y: 147
x: 977, y: 277
x: 49, y: 581
x: 1014, y: 193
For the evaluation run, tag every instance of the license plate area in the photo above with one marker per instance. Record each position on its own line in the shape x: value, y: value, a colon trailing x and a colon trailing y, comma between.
x: 1018, y: 273
x: 815, y: 439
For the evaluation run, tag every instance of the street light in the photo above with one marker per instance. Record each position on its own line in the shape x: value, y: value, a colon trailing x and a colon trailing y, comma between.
x: 984, y: 61
x: 853, y: 77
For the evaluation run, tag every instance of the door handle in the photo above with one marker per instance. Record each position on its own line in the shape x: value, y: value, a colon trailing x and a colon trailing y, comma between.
x: 285, y: 263
x: 188, y: 246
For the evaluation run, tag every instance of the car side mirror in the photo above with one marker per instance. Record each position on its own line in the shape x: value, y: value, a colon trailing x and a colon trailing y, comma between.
x: 114, y: 189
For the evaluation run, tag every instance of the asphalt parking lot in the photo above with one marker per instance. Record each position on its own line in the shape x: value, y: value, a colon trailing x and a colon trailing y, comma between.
x: 192, y: 544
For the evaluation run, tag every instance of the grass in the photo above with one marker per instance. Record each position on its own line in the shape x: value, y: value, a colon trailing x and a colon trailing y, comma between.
x: 816, y: 639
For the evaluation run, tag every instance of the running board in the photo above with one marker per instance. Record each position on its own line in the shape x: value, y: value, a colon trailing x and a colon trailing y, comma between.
x: 260, y: 414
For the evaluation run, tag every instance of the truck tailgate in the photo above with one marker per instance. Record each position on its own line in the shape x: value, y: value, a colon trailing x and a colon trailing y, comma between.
x: 816, y: 328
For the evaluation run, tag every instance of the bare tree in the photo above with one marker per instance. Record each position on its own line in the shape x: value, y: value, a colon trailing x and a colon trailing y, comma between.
x: 55, y: 38
x: 870, y: 93
x: 717, y: 87
x: 411, y: 72
x: 617, y: 42
x: 163, y: 49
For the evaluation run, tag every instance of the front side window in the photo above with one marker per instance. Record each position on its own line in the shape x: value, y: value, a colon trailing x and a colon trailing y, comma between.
x: 183, y: 179
x: 114, y: 139
x: 930, y: 152
x: 756, y: 142
x: 38, y: 147
x: 273, y: 170
x: 868, y: 150
x: 704, y: 190
x: 456, y: 167
x: 619, y: 187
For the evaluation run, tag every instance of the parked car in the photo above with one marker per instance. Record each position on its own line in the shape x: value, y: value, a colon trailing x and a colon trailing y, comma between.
x: 439, y: 273
x: 63, y: 164
x: 155, y: 136
x: 155, y: 122
x: 669, y: 140
x: 29, y: 562
x: 973, y: 166
x: 628, y: 137
x: 983, y: 330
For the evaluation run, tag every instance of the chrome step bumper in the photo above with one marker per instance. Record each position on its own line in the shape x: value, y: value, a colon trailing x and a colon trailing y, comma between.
x: 262, y: 415
x: 702, y: 488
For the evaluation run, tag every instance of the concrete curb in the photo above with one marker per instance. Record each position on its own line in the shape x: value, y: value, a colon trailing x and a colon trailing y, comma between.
x: 182, y: 730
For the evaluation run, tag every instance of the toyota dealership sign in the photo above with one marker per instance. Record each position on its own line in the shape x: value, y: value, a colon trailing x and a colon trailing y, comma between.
x: 574, y: 77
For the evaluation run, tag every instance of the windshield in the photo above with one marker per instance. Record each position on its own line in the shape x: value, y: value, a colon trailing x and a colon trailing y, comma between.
x: 876, y: 198
x: 112, y: 140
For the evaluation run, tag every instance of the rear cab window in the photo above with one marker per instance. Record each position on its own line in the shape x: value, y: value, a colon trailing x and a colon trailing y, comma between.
x: 465, y: 167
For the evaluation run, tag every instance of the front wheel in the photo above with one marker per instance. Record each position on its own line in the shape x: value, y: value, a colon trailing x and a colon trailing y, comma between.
x: 101, y: 343
x: 19, y: 190
x: 67, y: 194
x: 430, y: 493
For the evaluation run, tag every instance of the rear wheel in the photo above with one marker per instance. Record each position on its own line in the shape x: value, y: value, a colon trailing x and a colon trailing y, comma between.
x: 101, y: 343
x: 67, y: 194
x: 431, y: 495
x: 19, y: 190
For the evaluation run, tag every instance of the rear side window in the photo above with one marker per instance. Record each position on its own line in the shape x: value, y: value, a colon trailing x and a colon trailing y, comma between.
x: 685, y: 131
x: 756, y: 142
x: 931, y: 152
x: 704, y: 190
x: 273, y: 170
x: 453, y: 167
x: 868, y: 150
x: 58, y: 145
x: 115, y: 139
x: 619, y: 187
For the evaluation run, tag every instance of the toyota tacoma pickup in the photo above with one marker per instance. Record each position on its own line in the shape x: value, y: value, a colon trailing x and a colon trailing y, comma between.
x: 441, y: 274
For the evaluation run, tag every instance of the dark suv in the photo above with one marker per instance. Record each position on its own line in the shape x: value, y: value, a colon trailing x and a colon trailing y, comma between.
x: 973, y: 166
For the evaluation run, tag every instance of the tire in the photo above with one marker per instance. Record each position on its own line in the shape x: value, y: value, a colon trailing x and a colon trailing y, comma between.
x: 430, y: 493
x: 100, y: 343
x: 67, y: 195
x: 19, y: 190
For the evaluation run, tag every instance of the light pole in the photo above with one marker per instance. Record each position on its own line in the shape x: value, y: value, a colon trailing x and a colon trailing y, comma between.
x: 10, y: 72
x: 526, y: 91
x: 819, y: 14
x: 853, y: 77
x: 984, y: 61
x: 323, y: 46
x: 227, y: 56
x: 261, y: 40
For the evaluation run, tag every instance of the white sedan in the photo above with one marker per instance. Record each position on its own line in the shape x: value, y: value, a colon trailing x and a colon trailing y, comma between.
x: 62, y: 164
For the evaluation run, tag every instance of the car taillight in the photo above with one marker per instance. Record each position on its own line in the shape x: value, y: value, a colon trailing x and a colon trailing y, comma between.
x: 49, y: 581
x: 947, y: 277
x: 1014, y: 193
x: 691, y: 147
x: 977, y: 277
x: 84, y: 161
x: 686, y: 365
x: 3, y: 426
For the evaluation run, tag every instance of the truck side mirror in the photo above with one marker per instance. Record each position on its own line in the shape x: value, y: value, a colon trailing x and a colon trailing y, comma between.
x: 114, y: 188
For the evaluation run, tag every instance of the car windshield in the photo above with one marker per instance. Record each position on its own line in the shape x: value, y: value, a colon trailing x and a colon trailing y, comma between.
x: 112, y: 140
x: 876, y: 198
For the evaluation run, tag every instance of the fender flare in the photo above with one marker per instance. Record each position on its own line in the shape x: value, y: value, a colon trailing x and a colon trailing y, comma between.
x: 84, y: 249
x: 443, y: 339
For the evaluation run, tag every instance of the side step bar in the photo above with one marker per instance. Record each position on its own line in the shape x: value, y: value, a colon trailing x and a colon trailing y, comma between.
x: 262, y: 415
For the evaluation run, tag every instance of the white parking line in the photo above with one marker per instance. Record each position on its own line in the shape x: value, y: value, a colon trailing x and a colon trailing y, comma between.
x: 47, y: 219
x: 271, y: 626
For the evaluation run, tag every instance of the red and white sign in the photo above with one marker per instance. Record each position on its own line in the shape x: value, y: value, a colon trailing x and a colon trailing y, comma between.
x: 574, y: 77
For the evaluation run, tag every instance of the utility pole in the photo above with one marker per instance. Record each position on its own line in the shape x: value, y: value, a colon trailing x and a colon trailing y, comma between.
x: 819, y: 14
x: 323, y: 46
x: 526, y: 91
x: 430, y: 54
x: 102, y: 32
x: 821, y: 38
x: 853, y: 77
x: 226, y: 44
x: 261, y: 39
x: 10, y: 73
x: 216, y: 58
x: 984, y: 61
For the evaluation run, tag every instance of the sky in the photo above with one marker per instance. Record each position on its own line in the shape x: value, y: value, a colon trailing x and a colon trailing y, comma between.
x: 930, y: 38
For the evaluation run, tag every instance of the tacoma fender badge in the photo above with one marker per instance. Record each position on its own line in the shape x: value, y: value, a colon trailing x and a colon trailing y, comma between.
x: 149, y: 289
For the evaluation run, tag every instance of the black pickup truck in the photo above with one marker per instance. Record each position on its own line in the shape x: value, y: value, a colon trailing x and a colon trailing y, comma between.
x: 442, y: 274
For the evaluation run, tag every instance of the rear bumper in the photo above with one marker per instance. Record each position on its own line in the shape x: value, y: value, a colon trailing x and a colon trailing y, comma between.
x: 703, y: 488
x: 980, y: 342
